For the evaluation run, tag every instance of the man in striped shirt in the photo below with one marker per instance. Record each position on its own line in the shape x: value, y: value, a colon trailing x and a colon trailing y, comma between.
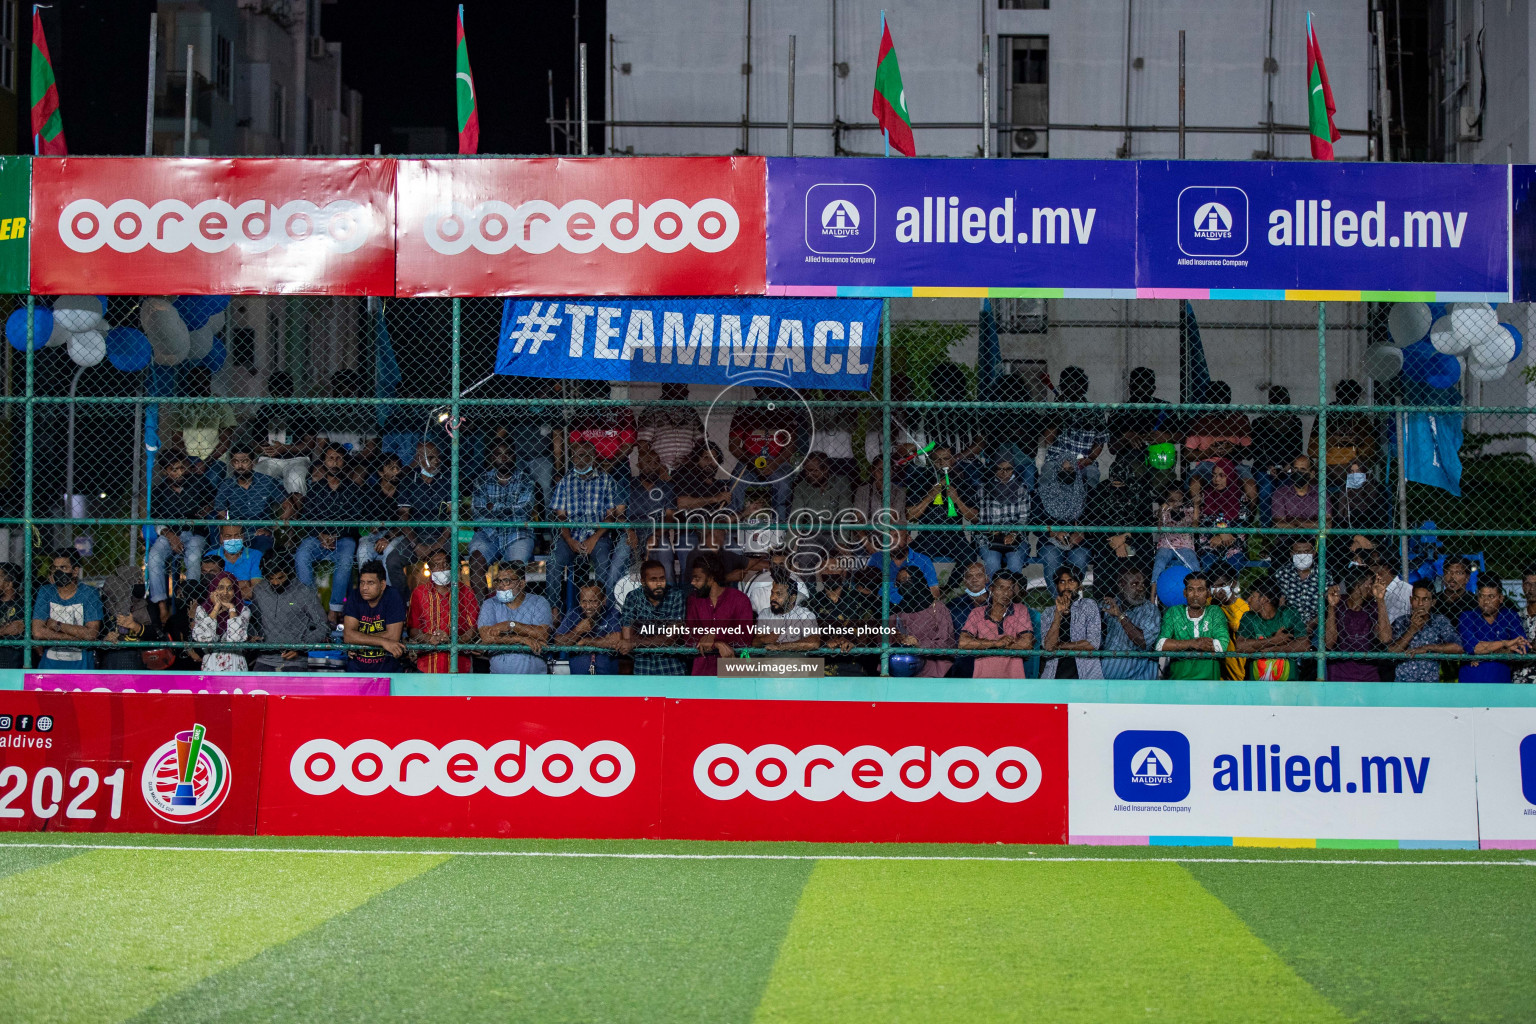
x: 672, y: 432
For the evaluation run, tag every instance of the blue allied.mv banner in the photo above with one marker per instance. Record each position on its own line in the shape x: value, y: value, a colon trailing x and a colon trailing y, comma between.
x: 798, y: 343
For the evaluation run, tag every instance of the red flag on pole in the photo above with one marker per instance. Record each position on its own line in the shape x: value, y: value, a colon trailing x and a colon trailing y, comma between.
x: 47, y: 124
x: 890, y: 105
x: 1320, y: 106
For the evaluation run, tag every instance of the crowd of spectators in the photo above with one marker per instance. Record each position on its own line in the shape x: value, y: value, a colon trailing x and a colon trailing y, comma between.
x: 657, y: 561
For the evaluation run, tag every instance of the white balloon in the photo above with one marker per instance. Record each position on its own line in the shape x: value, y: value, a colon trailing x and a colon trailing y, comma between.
x: 76, y: 320
x: 201, y: 343
x: 1383, y: 362
x: 87, y: 348
x: 1484, y: 372
x: 1495, y: 348
x: 60, y: 336
x: 216, y: 322
x: 1444, y: 337
x: 1474, y: 321
x: 1409, y: 322
x: 167, y: 332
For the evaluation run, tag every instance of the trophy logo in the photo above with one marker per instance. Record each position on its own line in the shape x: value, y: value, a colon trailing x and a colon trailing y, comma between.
x: 186, y: 779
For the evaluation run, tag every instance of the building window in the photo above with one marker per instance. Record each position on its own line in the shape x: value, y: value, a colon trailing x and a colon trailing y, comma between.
x: 224, y: 67
x: 9, y: 13
x: 1023, y: 5
x: 1029, y: 96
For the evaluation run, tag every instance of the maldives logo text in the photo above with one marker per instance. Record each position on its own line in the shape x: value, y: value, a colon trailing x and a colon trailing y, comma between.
x: 1213, y: 221
x: 840, y: 218
x: 1151, y: 766
x: 186, y: 779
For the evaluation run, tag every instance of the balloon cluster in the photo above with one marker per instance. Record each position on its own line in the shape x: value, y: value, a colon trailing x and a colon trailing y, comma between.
x: 1430, y: 339
x: 170, y: 332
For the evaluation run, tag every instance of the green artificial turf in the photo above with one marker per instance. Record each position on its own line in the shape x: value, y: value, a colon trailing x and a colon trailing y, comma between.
x: 442, y: 929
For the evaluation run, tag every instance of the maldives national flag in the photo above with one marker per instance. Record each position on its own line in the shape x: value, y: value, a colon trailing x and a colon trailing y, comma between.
x: 469, y: 113
x: 890, y: 106
x: 47, y: 125
x: 1320, y: 106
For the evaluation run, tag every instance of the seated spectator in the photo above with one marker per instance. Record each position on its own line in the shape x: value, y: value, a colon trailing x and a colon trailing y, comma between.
x: 1227, y: 595
x: 1277, y: 441
x: 1295, y: 506
x: 240, y: 561
x: 1527, y: 673
x: 374, y: 615
x: 763, y: 569
x: 1005, y: 503
x: 138, y: 622
x: 287, y: 614
x: 66, y: 609
x: 1269, y: 627
x: 609, y: 429
x: 1062, y: 489
x: 1130, y: 624
x: 712, y: 540
x: 1357, y: 613
x: 1399, y: 591
x: 332, y: 498
x: 1194, y: 626
x: 1351, y: 435
x: 719, y: 617
x: 1133, y: 431
x: 429, y: 614
x: 651, y: 500
x: 1117, y: 502
x: 788, y: 626
x: 1228, y: 502
x: 926, y: 623
x: 1421, y: 631
x: 844, y: 611
x: 947, y: 502
x: 1072, y: 623
x: 868, y: 497
x: 285, y: 438
x: 426, y: 497
x: 1456, y: 595
x: 13, y: 617
x: 584, y: 495
x: 1298, y: 580
x: 891, y: 563
x: 1179, y: 510
x: 504, y: 492
x: 593, y: 624
x: 179, y: 626
x: 1216, y: 434
x: 537, y: 442
x: 672, y: 433
x: 1361, y: 504
x: 1491, y: 629
x: 1077, y: 436
x: 221, y: 618
x: 386, y: 502
x: 248, y: 495
x: 764, y: 439
x: 819, y: 495
x: 649, y: 611
x: 698, y: 486
x: 1000, y: 624
x: 179, y: 503
x: 511, y: 615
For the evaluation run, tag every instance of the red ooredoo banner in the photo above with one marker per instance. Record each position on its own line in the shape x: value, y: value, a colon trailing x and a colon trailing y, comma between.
x: 490, y: 766
x: 94, y: 762
x: 212, y: 227
x: 845, y: 771
x: 646, y: 226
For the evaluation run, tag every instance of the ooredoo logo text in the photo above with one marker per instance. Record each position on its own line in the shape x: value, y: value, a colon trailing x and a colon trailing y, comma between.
x: 187, y: 778
x: 723, y: 771
x: 368, y: 767
x: 583, y: 226
x: 214, y: 225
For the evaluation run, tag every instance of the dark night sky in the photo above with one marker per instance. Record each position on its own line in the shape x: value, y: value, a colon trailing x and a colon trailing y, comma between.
x: 398, y: 53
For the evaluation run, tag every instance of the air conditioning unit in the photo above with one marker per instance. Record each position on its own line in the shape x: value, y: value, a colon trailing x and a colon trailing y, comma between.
x: 316, y: 48
x: 1467, y: 127
x: 1030, y: 142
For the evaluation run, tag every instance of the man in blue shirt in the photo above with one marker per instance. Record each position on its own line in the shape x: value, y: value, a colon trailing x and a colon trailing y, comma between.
x: 247, y: 494
x: 240, y: 561
x: 903, y: 557
x: 374, y: 614
x: 585, y: 494
x: 331, y: 499
x: 505, y: 493
x: 513, y: 616
x: 1491, y: 629
x: 66, y: 609
x: 593, y: 623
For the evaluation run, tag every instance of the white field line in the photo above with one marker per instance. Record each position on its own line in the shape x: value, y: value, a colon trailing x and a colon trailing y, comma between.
x: 599, y: 855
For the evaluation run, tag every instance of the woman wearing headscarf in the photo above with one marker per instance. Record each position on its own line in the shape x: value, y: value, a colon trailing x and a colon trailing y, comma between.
x: 1227, y: 501
x: 221, y: 618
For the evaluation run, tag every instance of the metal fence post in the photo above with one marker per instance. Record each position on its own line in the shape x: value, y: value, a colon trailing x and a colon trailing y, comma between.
x: 1320, y: 569
x: 28, y: 571
x: 885, y: 484
x: 453, y: 489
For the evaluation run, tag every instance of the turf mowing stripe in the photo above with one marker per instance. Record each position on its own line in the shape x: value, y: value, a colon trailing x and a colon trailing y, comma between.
x: 479, y: 940
x: 1050, y: 942
x: 15, y: 858
x: 103, y: 935
x: 616, y: 855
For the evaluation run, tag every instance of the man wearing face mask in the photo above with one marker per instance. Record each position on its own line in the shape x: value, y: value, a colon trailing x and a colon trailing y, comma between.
x: 1295, y: 506
x: 426, y: 621
x: 1226, y: 595
x: 513, y: 616
x: 1362, y: 504
x: 1130, y: 624
x: 331, y: 499
x: 66, y: 609
x: 649, y: 612
x: 585, y: 494
x: 248, y: 495
x: 503, y: 492
x: 287, y: 613
x: 239, y: 559
x: 1298, y: 581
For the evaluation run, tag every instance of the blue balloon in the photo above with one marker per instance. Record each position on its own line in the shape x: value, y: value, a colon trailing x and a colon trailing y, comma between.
x: 1436, y: 311
x: 1423, y: 364
x: 1519, y: 340
x: 42, y: 328
x: 907, y: 664
x: 197, y: 310
x: 1170, y: 586
x: 128, y: 349
x: 162, y: 381
x: 213, y: 362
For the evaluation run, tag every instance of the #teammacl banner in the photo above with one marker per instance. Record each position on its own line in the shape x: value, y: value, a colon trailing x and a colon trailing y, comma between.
x: 844, y: 224
x: 1314, y: 226
x: 213, y: 227
x: 93, y: 762
x: 798, y: 343
x: 645, y: 226
x: 1155, y: 773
